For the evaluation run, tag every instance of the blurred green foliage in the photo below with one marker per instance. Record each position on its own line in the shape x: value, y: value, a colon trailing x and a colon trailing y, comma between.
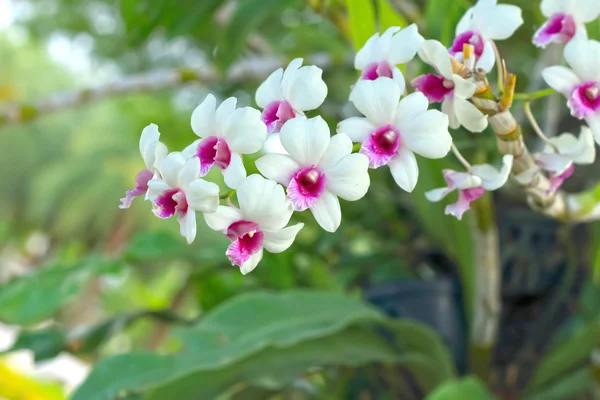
x: 257, y: 336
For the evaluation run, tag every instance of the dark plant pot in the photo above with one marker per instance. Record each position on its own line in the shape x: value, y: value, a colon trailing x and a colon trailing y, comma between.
x: 436, y: 303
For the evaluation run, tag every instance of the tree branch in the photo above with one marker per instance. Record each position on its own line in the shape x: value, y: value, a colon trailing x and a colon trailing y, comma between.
x: 250, y: 69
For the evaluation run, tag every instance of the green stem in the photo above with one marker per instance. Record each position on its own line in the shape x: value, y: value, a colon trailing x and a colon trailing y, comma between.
x: 534, y: 95
x: 227, y: 195
x: 356, y: 147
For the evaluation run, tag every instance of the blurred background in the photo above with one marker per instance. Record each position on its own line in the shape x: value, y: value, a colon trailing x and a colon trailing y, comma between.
x: 81, y: 280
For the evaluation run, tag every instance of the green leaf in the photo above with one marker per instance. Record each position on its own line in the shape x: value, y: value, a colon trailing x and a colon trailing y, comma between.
x: 414, y: 337
x: 248, y: 16
x: 45, y: 343
x: 566, y: 357
x: 236, y: 329
x: 469, y: 388
x: 388, y: 16
x: 33, y: 298
x: 568, y: 387
x: 361, y: 14
x: 276, y: 367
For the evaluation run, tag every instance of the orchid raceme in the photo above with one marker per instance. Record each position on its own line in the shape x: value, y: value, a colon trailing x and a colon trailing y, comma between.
x: 559, y: 156
x: 580, y: 84
x: 225, y: 134
x: 382, y: 53
x: 317, y: 169
x: 153, y: 151
x: 449, y: 88
x: 287, y: 94
x: 259, y: 222
x: 482, y: 23
x: 566, y: 20
x: 471, y: 186
x: 393, y: 130
x: 178, y: 190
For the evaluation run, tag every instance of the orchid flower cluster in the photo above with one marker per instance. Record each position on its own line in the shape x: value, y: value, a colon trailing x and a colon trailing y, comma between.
x: 303, y: 167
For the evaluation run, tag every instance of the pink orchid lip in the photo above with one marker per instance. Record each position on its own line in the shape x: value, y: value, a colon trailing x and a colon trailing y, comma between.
x: 169, y: 203
x: 376, y: 70
x: 560, y: 28
x: 468, y: 37
x: 435, y: 87
x: 213, y: 151
x: 585, y: 100
x: 305, y: 187
x: 141, y: 187
x: 465, y: 197
x: 277, y: 113
x: 381, y: 146
x: 556, y: 181
x: 246, y: 240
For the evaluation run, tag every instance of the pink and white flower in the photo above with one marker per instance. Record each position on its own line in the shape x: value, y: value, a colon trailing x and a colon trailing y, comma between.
x: 395, y: 129
x: 580, y: 84
x: 566, y: 20
x: 259, y: 222
x: 317, y: 169
x: 287, y: 94
x: 381, y: 53
x: 448, y: 88
x: 225, y: 134
x: 178, y: 190
x: 485, y: 21
x: 153, y: 151
x: 471, y: 186
x: 559, y: 156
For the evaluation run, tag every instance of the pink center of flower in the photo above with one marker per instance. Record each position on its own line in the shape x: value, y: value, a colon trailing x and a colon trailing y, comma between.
x: 560, y: 28
x: 141, y: 187
x: 246, y: 240
x: 213, y: 151
x: 434, y: 87
x: 305, y: 187
x: 169, y: 203
x: 585, y: 100
x: 277, y: 113
x: 468, y: 37
x: 556, y: 181
x: 381, y: 146
x: 465, y: 197
x: 376, y: 70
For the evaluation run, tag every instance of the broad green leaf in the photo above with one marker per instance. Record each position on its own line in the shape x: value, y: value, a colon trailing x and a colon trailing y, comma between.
x: 248, y: 16
x: 568, y: 387
x: 469, y: 388
x: 48, y: 343
x: 388, y: 17
x: 33, y: 298
x: 232, y: 331
x: 566, y: 357
x: 276, y: 367
x: 45, y: 343
x: 413, y: 337
x: 361, y: 14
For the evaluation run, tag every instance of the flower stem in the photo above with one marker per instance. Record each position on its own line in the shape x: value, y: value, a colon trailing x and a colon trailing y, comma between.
x: 227, y: 195
x: 534, y: 95
x: 460, y: 158
x: 500, y: 67
x: 536, y: 127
